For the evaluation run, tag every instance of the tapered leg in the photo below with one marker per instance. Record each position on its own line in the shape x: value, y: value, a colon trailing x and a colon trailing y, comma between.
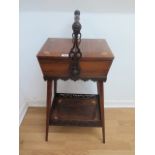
x: 55, y: 87
x: 48, y: 106
x: 100, y: 87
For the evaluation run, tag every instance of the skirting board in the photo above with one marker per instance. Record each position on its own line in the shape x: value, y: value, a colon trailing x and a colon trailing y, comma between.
x: 108, y: 104
x: 22, y: 112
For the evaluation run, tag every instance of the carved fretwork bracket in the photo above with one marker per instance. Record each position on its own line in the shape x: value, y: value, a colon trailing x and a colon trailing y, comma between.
x: 75, y: 52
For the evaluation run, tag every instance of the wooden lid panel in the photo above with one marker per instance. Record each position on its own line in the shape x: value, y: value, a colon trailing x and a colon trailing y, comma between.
x: 90, y: 48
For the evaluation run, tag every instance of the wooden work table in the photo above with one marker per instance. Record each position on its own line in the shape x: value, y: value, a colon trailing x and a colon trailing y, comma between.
x: 75, y: 109
x: 75, y: 59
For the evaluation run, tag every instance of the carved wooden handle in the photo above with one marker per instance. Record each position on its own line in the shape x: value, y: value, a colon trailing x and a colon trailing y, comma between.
x: 75, y: 52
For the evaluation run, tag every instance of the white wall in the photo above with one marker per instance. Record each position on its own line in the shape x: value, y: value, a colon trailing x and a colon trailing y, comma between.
x: 22, y: 105
x: 115, y: 6
x: 116, y: 28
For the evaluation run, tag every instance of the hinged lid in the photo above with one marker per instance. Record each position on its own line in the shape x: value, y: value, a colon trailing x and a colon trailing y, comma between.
x: 59, y: 48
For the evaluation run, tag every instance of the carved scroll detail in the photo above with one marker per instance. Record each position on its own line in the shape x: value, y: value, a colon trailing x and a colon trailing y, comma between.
x: 75, y: 52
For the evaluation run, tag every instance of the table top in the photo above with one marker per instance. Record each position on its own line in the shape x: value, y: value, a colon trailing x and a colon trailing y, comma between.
x: 90, y: 48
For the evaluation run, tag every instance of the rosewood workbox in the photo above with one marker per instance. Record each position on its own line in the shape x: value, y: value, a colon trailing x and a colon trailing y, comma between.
x: 94, y: 64
x: 75, y: 109
x: 76, y: 58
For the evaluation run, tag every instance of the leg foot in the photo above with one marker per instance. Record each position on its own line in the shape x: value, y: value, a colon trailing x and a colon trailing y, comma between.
x: 100, y: 87
x: 48, y: 106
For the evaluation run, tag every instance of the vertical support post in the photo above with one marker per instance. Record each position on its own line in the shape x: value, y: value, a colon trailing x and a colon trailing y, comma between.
x: 55, y: 87
x: 48, y: 106
x: 100, y: 88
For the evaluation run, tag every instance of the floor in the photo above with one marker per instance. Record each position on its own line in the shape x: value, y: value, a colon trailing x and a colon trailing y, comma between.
x: 78, y: 140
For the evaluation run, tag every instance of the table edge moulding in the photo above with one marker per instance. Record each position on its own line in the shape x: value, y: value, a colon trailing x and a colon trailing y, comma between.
x: 76, y: 58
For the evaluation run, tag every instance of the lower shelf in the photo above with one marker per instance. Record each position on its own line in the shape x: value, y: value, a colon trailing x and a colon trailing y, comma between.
x: 75, y: 110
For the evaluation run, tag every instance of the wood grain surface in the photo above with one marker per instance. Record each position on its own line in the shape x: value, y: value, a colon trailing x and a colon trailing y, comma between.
x: 90, y: 48
x: 94, y: 64
x: 78, y: 140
